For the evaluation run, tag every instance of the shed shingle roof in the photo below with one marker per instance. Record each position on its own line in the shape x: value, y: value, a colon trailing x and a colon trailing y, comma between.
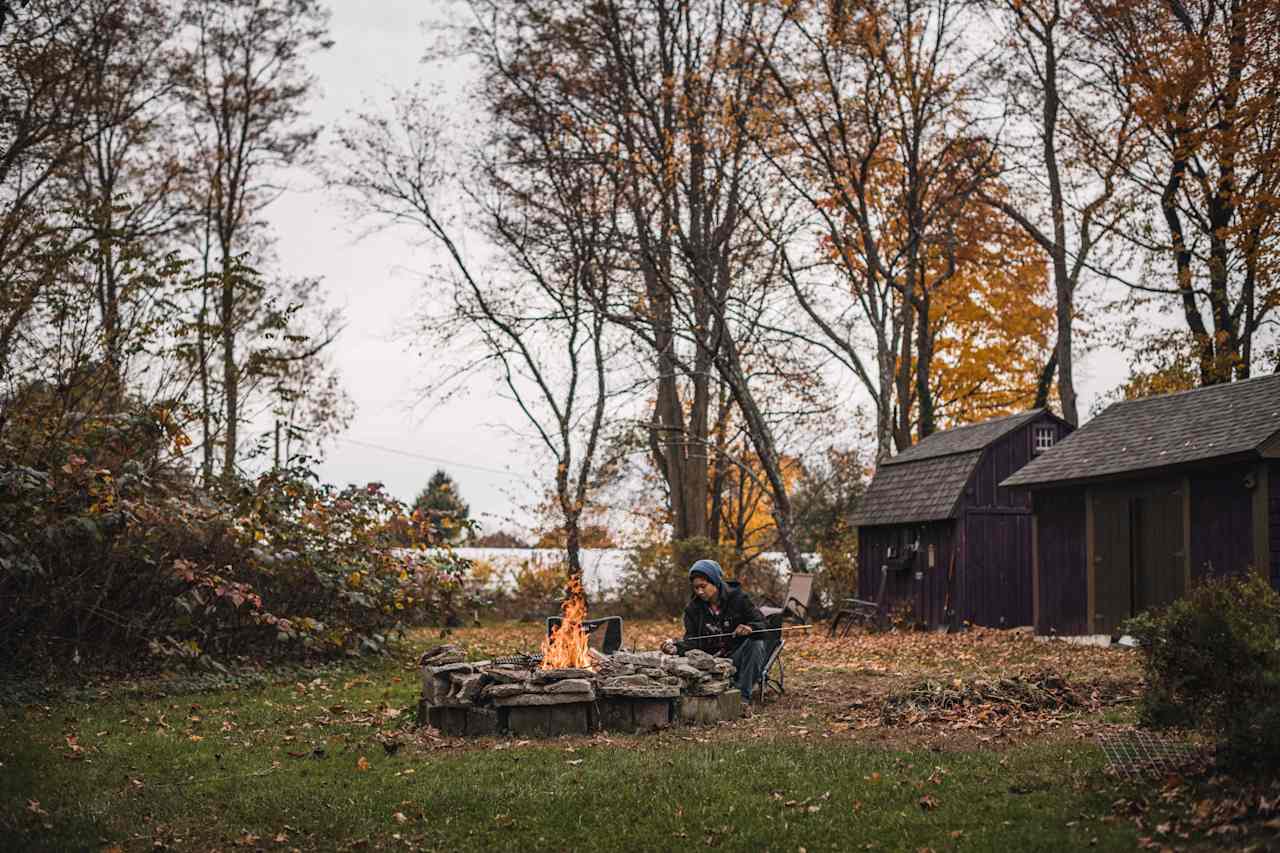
x: 1135, y: 435
x: 964, y: 438
x: 924, y: 490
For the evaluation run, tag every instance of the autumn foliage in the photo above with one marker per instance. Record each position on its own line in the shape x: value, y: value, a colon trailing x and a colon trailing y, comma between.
x: 110, y: 550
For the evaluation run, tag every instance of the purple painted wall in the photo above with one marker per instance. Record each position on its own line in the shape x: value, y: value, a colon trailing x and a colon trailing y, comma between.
x: 1221, y: 522
x: 1064, y: 592
x: 925, y: 597
x: 989, y: 582
x: 995, y: 586
x: 1273, y: 481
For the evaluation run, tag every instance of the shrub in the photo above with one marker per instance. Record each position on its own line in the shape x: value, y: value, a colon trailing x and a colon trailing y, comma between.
x: 109, y: 551
x: 1212, y: 661
x: 836, y: 577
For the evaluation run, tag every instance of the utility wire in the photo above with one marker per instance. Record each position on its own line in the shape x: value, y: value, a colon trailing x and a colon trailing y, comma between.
x: 437, y: 459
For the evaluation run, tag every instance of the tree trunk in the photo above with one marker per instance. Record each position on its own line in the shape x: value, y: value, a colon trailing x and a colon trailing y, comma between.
x: 230, y: 376
x: 902, y: 431
x: 924, y: 362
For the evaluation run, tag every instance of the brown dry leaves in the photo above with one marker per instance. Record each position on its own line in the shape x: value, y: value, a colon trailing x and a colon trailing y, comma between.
x: 1225, y: 811
x: 977, y: 652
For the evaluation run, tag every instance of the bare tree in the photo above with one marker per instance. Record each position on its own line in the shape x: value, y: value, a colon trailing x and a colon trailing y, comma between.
x: 121, y: 186
x: 555, y: 229
x: 1204, y: 81
x: 879, y: 138
x: 245, y: 88
x: 1069, y: 146
x: 662, y: 88
x: 47, y: 102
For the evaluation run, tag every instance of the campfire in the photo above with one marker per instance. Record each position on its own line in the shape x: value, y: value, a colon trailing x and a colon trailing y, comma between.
x: 566, y: 647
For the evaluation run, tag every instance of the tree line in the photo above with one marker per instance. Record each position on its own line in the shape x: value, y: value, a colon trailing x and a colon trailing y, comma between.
x: 706, y: 216
x: 140, y: 142
x: 702, y: 220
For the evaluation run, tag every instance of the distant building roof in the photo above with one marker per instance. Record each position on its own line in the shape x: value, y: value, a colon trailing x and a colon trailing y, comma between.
x: 1156, y: 432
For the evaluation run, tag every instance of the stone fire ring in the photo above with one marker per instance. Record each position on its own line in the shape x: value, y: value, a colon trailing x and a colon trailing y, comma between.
x: 625, y: 692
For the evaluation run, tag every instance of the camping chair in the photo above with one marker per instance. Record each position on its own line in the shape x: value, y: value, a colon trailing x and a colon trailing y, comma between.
x: 604, y: 634
x: 859, y: 611
x: 796, y: 604
x: 773, y: 646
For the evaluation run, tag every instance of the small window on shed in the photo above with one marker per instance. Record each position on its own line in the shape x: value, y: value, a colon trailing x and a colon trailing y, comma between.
x: 1044, y: 438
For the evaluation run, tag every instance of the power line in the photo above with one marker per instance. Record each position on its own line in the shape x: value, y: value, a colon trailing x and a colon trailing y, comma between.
x: 436, y: 459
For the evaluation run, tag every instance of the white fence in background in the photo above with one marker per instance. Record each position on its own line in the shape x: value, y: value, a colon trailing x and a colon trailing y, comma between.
x: 602, y: 568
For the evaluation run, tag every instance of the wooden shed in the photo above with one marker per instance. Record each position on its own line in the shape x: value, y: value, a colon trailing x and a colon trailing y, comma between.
x: 1150, y: 496
x: 951, y: 543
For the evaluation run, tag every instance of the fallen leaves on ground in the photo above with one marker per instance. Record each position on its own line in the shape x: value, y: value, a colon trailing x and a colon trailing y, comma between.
x: 1215, y: 807
x: 980, y: 702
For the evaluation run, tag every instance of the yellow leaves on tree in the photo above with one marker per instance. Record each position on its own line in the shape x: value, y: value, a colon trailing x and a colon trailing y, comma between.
x: 993, y: 324
x: 745, y: 505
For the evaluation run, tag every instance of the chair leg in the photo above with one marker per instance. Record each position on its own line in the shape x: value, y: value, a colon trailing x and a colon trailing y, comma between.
x: 835, y: 623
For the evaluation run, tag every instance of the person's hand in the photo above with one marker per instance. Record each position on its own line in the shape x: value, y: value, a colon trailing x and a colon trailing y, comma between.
x: 668, y: 647
x: 742, y: 631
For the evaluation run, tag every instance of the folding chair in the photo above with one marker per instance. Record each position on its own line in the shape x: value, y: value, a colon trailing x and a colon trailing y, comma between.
x: 773, y: 646
x: 869, y: 614
x: 796, y: 604
x: 603, y: 634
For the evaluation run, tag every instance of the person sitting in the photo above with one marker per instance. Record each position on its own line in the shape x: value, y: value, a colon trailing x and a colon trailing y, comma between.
x: 720, y: 619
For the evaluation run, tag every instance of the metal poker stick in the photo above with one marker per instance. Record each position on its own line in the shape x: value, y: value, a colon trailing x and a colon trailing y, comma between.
x: 525, y: 658
x: 752, y: 634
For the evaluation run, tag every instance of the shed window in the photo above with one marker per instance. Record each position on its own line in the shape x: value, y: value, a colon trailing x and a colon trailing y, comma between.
x: 1045, y: 436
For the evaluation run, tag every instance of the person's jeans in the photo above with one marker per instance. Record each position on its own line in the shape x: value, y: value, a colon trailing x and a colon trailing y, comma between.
x: 749, y: 659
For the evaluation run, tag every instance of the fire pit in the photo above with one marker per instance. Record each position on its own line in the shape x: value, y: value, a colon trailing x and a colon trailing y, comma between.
x: 623, y: 692
x: 572, y: 689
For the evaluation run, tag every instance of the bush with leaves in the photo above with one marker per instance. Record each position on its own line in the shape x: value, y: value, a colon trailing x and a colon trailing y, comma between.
x: 1212, y: 661
x: 836, y: 576
x: 110, y: 549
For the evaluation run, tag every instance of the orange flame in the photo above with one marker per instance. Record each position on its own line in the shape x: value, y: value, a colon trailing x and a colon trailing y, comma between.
x: 567, y: 645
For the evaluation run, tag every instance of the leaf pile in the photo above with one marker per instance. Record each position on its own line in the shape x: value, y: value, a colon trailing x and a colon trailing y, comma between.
x: 981, y: 702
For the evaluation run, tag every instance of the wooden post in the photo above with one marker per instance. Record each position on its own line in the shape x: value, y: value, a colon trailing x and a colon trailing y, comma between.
x: 1035, y: 567
x: 1186, y: 532
x: 1261, y: 521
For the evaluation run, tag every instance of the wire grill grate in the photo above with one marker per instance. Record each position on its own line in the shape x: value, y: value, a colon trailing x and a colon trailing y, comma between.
x: 1139, y: 752
x: 518, y: 660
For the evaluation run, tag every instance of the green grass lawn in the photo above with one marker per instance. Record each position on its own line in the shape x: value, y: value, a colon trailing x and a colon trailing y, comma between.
x: 302, y: 764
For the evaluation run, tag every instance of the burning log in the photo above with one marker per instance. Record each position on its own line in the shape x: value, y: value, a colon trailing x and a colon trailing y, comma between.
x: 566, y: 647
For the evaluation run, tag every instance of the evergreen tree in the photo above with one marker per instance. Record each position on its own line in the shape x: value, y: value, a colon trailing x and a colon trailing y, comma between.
x: 442, y: 507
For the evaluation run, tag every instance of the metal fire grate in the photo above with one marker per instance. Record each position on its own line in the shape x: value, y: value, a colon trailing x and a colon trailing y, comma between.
x: 519, y: 660
x: 1139, y: 752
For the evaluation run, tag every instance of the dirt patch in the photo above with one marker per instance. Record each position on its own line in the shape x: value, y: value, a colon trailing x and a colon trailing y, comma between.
x: 989, y: 688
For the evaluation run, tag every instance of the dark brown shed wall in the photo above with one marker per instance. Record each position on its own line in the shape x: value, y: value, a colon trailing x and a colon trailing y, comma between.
x: 1273, y: 513
x: 1221, y: 522
x: 925, y: 597
x: 1004, y: 458
x: 1060, y: 533
x: 994, y: 587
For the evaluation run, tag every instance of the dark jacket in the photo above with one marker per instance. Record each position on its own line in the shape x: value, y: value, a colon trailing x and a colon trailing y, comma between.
x: 736, y: 608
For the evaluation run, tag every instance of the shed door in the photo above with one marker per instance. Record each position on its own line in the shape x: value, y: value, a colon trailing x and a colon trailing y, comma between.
x: 1112, y: 574
x: 996, y: 579
x: 1159, y: 567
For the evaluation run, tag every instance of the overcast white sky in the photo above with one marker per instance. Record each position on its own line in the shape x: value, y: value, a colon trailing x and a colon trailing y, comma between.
x: 380, y: 281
